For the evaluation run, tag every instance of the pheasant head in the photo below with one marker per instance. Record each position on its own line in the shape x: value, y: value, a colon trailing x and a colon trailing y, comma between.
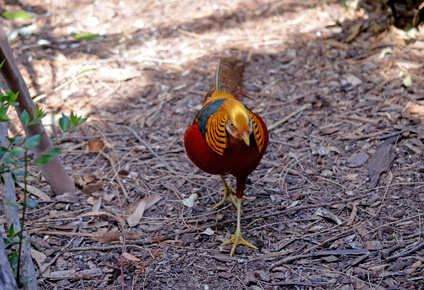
x: 238, y: 124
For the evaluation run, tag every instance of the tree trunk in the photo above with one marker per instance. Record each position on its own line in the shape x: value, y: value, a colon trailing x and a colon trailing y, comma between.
x: 54, y: 172
x: 7, y: 280
x: 12, y: 218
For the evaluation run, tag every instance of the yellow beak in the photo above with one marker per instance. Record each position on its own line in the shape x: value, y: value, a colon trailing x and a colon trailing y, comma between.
x: 246, y: 138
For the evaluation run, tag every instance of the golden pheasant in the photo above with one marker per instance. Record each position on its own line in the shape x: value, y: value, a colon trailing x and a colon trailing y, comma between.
x: 227, y: 138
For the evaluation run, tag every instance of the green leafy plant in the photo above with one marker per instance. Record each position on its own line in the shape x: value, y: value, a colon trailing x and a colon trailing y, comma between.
x: 15, y: 15
x: 87, y: 36
x: 11, y: 240
x: 15, y: 159
x: 70, y: 123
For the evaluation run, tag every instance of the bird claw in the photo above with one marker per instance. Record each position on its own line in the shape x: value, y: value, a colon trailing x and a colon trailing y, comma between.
x: 230, y: 198
x: 237, y: 240
x: 226, y: 197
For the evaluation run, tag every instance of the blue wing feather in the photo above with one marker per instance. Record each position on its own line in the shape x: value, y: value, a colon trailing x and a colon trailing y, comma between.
x: 206, y: 113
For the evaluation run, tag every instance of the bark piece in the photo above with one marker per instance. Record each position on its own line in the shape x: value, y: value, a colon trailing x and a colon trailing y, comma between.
x: 381, y: 161
x: 357, y: 159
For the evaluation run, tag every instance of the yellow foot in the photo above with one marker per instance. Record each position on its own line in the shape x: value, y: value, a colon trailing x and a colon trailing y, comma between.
x: 237, y: 240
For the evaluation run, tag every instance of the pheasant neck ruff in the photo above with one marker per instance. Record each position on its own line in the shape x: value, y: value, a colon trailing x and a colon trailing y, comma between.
x: 213, y: 117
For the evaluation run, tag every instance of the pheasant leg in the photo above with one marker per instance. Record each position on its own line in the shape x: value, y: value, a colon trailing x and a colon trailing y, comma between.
x: 228, y: 195
x: 237, y: 239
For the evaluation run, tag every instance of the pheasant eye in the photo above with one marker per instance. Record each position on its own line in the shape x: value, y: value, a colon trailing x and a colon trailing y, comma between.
x: 231, y: 125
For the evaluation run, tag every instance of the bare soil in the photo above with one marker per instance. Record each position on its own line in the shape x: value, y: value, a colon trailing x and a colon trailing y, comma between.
x: 337, y: 195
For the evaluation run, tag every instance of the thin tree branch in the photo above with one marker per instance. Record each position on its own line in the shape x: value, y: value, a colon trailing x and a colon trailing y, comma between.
x: 404, y: 254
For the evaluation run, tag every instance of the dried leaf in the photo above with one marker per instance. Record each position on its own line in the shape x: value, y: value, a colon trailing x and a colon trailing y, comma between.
x: 84, y: 180
x: 149, y: 200
x: 136, y: 216
x: 93, y: 187
x: 357, y: 159
x: 130, y: 257
x: 100, y: 213
x: 416, y: 109
x: 152, y: 200
x: 336, y: 44
x: 91, y: 200
x: 97, y: 205
x: 108, y: 196
x: 103, y: 236
x: 321, y: 151
x: 35, y: 191
x: 334, y: 149
x: 356, y: 30
x: 136, y: 210
x: 204, y: 14
x: 322, y: 212
x: 67, y: 197
x: 95, y: 145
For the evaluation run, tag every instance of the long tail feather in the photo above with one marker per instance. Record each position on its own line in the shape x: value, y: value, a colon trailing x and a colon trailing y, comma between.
x: 228, y: 77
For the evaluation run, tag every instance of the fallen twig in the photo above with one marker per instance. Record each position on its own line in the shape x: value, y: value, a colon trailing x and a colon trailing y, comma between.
x: 269, y: 256
x: 288, y: 260
x: 115, y: 173
x: 413, y: 250
x: 294, y: 283
x: 341, y: 252
x: 385, y: 253
x: 55, y: 257
x: 288, y: 117
x: 79, y: 137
